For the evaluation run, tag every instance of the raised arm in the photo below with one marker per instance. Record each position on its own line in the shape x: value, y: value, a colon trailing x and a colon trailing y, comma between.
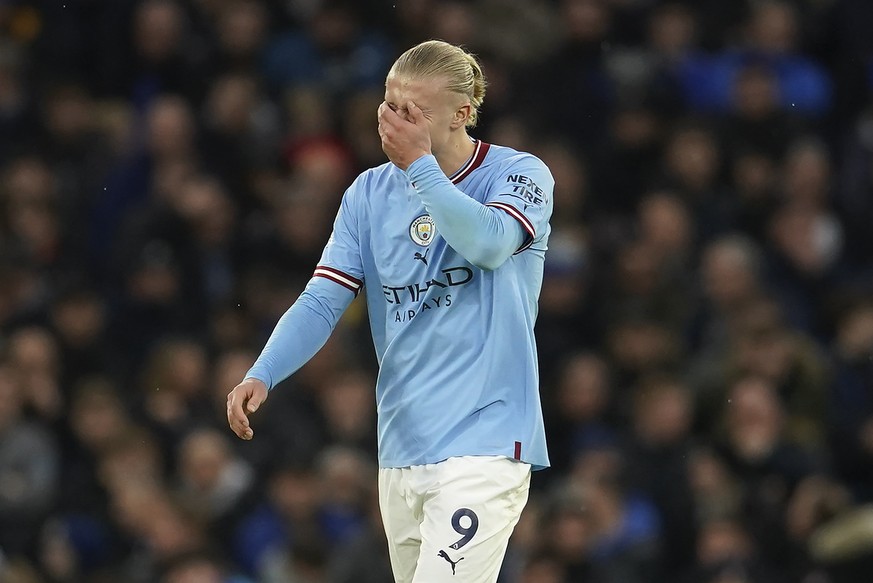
x: 485, y: 236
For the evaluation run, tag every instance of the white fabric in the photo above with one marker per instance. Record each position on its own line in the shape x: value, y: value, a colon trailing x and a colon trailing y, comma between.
x: 451, y: 521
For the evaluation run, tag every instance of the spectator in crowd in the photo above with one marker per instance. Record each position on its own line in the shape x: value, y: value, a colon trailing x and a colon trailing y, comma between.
x: 214, y: 483
x: 29, y: 467
x: 725, y: 552
x: 662, y: 417
x: 770, y: 467
x: 771, y: 38
x: 583, y: 407
x: 99, y: 420
x: 333, y: 52
x: 850, y: 409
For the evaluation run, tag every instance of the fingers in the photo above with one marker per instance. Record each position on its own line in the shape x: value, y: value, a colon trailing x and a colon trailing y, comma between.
x: 236, y: 418
x: 380, y: 118
x: 386, y: 125
x: 415, y: 114
x: 380, y: 113
x: 389, y: 117
x: 254, y: 402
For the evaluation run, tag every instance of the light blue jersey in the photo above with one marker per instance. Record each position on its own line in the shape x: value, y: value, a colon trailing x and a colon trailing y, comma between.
x: 455, y: 342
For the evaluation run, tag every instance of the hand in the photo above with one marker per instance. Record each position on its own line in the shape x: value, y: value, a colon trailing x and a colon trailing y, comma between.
x: 242, y: 401
x: 404, y: 140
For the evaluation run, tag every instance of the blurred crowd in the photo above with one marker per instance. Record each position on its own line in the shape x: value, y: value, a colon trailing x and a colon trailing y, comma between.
x: 169, y: 171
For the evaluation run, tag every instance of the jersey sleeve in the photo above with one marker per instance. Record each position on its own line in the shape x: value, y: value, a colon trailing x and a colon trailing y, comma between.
x: 307, y: 324
x: 301, y: 331
x: 524, y: 191
x: 341, y: 259
x: 485, y: 237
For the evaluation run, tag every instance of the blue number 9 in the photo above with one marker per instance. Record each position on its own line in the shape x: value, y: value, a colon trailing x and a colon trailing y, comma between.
x: 467, y: 533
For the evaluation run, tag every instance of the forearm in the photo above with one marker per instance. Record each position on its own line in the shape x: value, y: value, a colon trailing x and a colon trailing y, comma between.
x: 301, y: 331
x: 484, y: 236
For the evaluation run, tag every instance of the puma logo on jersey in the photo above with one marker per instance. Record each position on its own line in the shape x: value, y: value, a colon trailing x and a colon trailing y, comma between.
x: 445, y: 555
x: 419, y: 257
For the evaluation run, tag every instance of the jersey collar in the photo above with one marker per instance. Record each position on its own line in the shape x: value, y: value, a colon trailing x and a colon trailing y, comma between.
x: 472, y: 163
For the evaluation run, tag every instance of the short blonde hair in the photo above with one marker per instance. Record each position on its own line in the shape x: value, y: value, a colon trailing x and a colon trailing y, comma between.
x: 436, y: 58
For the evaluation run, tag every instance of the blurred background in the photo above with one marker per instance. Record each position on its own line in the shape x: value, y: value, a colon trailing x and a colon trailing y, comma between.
x: 169, y: 171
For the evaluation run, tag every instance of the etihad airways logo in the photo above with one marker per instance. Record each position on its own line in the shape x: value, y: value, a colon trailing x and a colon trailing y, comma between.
x: 417, y: 293
x: 412, y: 292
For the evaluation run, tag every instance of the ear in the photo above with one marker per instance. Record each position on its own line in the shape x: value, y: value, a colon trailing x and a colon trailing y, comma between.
x: 462, y: 114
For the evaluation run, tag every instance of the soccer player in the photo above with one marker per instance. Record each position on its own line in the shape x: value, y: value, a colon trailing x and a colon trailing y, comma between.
x: 449, y: 240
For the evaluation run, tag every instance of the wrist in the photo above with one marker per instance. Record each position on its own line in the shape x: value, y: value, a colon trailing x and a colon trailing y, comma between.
x: 421, y: 164
x: 412, y: 159
x: 257, y: 376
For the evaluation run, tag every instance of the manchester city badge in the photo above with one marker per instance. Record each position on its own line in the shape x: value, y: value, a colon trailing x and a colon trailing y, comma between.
x: 422, y: 230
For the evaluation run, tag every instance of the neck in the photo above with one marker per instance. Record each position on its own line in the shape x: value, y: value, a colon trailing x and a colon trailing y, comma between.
x: 455, y: 152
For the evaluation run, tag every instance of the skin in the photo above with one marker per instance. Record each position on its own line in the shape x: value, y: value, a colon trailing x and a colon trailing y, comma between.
x: 418, y: 117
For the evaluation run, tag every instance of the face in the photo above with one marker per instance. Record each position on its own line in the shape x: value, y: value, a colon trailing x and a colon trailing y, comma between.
x: 445, y: 111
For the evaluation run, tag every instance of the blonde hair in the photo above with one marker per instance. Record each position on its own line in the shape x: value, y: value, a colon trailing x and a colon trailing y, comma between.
x: 436, y: 58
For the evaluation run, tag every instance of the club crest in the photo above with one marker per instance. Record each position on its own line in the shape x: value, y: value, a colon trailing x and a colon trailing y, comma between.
x: 422, y: 230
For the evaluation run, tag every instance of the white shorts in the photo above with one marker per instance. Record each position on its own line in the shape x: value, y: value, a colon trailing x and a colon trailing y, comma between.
x: 451, y: 521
